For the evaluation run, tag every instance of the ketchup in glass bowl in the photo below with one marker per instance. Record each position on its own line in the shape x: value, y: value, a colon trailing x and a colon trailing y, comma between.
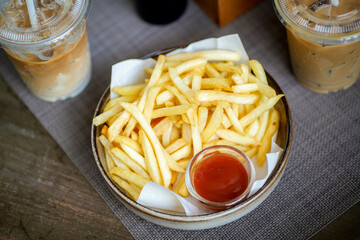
x: 220, y: 176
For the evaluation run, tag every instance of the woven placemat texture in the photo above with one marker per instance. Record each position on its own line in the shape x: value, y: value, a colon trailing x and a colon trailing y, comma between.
x: 322, y: 177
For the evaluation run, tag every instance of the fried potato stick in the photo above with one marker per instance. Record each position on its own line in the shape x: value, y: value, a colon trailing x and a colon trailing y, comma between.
x: 130, y: 191
x: 163, y: 165
x: 213, y: 124
x: 235, y: 137
x: 130, y: 176
x: 212, y: 95
x: 103, y: 117
x: 256, y: 112
x: 258, y: 70
x: 150, y: 159
x: 265, y: 146
x: 129, y: 162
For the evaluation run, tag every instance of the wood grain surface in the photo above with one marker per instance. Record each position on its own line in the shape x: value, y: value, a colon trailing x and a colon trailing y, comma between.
x: 42, y: 194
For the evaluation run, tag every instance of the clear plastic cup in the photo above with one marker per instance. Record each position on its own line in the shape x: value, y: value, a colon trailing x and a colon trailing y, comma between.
x: 224, y: 184
x: 52, y: 56
x: 324, y: 41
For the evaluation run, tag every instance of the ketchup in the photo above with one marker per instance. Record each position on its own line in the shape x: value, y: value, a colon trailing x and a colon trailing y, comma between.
x: 220, y: 178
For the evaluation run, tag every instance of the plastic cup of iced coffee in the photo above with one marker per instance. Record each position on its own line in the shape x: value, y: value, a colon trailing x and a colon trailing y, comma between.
x: 47, y: 43
x: 324, y: 41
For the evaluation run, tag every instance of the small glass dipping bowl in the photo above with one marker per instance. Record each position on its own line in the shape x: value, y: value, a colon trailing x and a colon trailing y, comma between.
x: 204, y: 155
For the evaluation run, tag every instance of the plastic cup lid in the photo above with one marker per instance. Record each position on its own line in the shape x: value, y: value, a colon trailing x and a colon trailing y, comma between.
x: 54, y: 18
x: 333, y: 21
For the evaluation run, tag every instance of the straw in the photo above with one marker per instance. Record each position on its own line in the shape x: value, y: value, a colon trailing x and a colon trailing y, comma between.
x: 32, y: 14
x: 335, y: 3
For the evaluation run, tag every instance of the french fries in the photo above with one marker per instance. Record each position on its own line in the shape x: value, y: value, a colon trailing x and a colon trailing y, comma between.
x: 271, y: 129
x: 191, y: 101
x: 130, y: 176
x: 213, y: 124
x: 102, y: 118
x: 258, y: 70
x: 213, y: 96
x: 129, y: 91
x: 150, y: 159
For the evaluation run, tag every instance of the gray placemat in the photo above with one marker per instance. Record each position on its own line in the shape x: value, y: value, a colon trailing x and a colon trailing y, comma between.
x: 322, y: 178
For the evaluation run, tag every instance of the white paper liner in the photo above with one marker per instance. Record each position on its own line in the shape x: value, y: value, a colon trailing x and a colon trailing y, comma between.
x: 154, y: 195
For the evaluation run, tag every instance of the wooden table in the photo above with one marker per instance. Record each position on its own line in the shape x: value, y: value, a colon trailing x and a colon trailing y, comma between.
x: 44, y: 196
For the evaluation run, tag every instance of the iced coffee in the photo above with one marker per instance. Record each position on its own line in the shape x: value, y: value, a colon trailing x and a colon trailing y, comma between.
x: 324, y: 42
x: 51, y: 51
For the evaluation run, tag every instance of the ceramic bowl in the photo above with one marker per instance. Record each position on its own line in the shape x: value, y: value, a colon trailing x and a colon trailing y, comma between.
x: 215, y: 219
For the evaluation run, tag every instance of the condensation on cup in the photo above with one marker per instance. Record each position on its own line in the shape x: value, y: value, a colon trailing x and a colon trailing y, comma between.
x: 47, y: 43
x: 324, y: 41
